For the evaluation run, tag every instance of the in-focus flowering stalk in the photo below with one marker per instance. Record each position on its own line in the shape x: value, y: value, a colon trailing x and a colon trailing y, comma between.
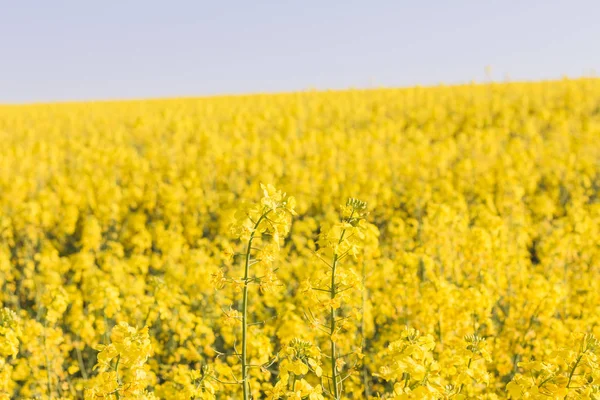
x: 268, y: 222
x: 121, y: 365
x: 296, y: 361
x: 342, y: 240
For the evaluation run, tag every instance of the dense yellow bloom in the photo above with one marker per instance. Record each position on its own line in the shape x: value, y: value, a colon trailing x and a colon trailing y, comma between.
x: 121, y: 364
x: 470, y: 273
x: 9, y: 333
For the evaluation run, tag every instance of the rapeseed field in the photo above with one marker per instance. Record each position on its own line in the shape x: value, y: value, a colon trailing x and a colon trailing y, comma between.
x: 415, y: 243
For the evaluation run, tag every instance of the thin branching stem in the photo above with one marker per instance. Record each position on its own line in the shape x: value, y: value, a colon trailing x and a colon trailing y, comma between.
x: 334, y: 375
x: 245, y: 383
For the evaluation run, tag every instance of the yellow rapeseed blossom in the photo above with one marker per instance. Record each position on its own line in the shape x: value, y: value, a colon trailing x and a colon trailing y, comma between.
x: 121, y: 364
x: 441, y: 243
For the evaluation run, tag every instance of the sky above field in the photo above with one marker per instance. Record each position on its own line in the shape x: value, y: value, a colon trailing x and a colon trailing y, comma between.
x: 77, y: 50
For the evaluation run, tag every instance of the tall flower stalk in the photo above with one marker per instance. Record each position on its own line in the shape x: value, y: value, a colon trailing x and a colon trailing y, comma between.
x: 345, y: 238
x: 261, y: 227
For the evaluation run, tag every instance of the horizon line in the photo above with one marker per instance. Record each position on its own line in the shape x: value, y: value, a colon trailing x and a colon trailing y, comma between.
x: 473, y: 82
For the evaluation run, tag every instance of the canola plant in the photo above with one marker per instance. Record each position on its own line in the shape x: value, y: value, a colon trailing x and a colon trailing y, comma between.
x: 416, y: 243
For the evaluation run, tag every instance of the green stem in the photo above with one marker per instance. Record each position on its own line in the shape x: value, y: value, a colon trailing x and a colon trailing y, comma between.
x: 462, y: 385
x: 363, y: 330
x: 48, y: 370
x: 117, y: 372
x: 81, y: 363
x: 332, y: 331
x: 245, y: 382
x: 334, y: 376
x: 573, y: 370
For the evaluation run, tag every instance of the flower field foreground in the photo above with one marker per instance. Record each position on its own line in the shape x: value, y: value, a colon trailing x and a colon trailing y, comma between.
x: 419, y: 243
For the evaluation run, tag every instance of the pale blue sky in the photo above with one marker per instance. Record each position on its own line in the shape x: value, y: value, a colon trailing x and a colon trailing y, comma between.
x: 73, y: 50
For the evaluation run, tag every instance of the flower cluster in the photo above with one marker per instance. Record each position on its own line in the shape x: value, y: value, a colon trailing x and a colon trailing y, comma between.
x: 10, y: 332
x: 122, y: 373
x: 569, y: 373
x: 299, y: 361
